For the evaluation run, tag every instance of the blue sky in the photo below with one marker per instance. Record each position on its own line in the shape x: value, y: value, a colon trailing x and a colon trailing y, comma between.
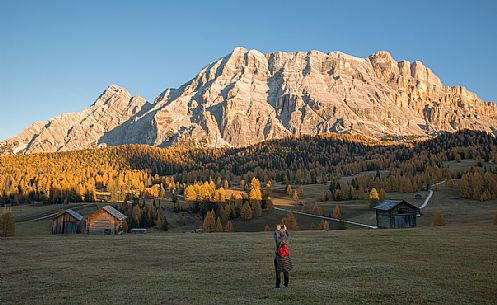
x: 58, y: 56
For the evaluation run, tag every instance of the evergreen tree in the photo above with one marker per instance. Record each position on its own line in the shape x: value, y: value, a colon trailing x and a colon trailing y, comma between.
x: 269, y: 203
x: 257, y: 211
x: 312, y: 226
x: 165, y: 224
x: 267, y: 228
x: 225, y: 214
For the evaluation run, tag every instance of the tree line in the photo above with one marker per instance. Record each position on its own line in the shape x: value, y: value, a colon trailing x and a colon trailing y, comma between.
x: 141, y: 170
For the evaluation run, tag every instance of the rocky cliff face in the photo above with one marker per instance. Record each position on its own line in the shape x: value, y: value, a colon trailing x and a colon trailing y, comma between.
x: 248, y: 97
x: 80, y: 130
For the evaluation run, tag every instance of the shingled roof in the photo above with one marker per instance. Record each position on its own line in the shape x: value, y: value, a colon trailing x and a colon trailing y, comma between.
x: 73, y: 213
x: 387, y: 205
x: 115, y: 212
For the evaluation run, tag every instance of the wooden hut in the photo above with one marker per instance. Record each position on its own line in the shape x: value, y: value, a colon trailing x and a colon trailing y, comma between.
x: 396, y: 214
x: 106, y: 220
x: 67, y: 222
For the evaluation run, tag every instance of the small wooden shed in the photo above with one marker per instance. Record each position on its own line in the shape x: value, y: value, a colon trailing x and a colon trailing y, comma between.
x: 396, y: 214
x: 67, y: 222
x: 106, y: 220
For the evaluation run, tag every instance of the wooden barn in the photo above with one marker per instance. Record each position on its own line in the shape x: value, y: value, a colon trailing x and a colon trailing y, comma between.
x: 106, y: 220
x: 67, y: 222
x: 396, y: 214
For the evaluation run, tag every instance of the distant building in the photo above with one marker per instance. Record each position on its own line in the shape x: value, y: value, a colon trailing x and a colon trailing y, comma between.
x: 396, y: 214
x: 106, y: 220
x: 67, y: 222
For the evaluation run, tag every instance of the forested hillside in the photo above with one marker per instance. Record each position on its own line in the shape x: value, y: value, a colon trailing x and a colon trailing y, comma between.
x: 151, y: 171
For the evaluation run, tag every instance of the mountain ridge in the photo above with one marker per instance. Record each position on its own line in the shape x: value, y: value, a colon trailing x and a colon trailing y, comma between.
x: 247, y: 97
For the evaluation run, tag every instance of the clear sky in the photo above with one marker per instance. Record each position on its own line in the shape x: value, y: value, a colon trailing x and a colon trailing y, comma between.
x: 58, y: 56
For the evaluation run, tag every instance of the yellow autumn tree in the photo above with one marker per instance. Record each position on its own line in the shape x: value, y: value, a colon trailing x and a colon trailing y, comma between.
x: 190, y: 194
x: 373, y: 195
x: 337, y: 212
x: 324, y: 225
x: 255, y: 194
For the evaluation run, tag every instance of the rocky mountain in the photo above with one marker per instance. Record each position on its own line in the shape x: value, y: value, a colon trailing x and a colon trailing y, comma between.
x: 80, y: 130
x: 248, y: 97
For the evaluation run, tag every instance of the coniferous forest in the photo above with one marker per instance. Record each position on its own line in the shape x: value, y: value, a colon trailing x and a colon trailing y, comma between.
x: 150, y: 171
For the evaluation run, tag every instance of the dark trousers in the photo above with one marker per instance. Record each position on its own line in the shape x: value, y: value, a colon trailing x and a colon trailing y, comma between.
x: 278, y: 275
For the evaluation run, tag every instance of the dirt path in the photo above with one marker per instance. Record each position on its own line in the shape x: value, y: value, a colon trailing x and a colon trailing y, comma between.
x: 328, y: 218
x: 363, y: 225
x: 430, y: 194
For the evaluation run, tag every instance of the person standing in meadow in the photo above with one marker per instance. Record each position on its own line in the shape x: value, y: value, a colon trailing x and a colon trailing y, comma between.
x: 282, y: 260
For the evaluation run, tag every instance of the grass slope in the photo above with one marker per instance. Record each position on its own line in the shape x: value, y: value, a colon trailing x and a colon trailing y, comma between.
x: 445, y: 265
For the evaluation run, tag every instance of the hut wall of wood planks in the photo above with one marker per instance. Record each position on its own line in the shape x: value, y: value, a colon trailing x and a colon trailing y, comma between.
x: 396, y: 214
x: 67, y: 222
x: 106, y: 220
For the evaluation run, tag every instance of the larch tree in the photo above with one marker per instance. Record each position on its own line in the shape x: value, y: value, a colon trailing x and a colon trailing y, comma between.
x: 374, y: 197
x: 246, y: 212
x: 337, y: 212
x: 219, y: 225
x: 290, y: 221
x: 255, y: 194
x: 190, y: 194
x: 209, y: 224
x: 7, y: 223
x: 289, y: 190
x: 439, y: 219
x: 324, y: 225
x: 295, y: 196
x: 229, y: 227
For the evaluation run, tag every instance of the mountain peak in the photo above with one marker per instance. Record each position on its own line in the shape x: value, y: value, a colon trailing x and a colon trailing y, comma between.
x: 247, y: 97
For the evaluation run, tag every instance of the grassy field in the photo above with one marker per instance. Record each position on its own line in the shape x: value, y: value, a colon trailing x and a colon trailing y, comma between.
x: 455, y: 264
x: 431, y: 265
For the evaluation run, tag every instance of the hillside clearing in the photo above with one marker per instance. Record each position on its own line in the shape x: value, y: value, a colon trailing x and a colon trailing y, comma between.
x: 415, y: 266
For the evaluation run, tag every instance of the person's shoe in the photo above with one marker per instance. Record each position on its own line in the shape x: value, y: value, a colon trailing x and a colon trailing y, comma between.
x: 276, y: 289
x: 284, y: 287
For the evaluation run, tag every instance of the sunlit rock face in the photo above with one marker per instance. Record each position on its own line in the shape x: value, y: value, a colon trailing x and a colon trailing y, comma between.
x: 248, y: 97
